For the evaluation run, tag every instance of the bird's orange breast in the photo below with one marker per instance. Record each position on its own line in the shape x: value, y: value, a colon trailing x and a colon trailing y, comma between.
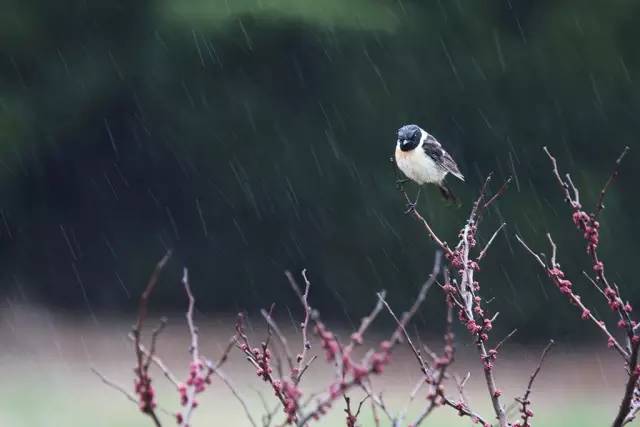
x: 417, y: 166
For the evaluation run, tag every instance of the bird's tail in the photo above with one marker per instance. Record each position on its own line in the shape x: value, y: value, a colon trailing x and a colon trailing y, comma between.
x: 448, y: 195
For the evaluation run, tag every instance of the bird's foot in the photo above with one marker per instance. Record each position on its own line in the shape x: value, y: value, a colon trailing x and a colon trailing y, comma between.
x: 411, y: 207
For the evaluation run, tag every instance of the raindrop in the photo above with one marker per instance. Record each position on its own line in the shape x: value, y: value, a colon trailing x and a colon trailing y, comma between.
x: 84, y: 293
x: 202, y: 220
x: 69, y: 245
x: 6, y: 224
x: 451, y: 64
x: 195, y: 41
x: 173, y: 222
x: 514, y: 172
x: 247, y: 39
x: 113, y: 142
x: 124, y: 287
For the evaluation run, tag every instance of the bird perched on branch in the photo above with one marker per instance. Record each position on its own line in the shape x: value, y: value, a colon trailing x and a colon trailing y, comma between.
x: 422, y: 160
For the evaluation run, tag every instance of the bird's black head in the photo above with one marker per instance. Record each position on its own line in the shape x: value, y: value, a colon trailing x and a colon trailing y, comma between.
x: 409, y: 137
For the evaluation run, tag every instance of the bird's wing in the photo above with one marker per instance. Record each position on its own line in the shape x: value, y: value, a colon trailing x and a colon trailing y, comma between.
x: 433, y: 149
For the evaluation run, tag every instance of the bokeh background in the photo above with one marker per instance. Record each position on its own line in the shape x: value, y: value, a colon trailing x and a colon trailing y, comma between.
x: 253, y: 136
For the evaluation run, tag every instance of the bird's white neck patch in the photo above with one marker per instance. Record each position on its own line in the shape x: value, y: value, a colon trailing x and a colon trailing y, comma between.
x: 423, y: 137
x: 418, y: 166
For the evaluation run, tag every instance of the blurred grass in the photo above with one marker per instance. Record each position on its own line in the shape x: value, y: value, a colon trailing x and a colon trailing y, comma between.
x: 32, y: 404
x: 46, y: 380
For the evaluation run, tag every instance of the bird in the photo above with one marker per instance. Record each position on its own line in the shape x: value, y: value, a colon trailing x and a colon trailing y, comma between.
x: 422, y: 160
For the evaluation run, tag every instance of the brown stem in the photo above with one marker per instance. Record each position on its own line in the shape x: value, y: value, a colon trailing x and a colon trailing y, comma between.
x: 394, y: 339
x: 301, y: 358
x: 524, y: 400
x: 632, y: 381
x: 575, y: 299
x: 423, y: 364
x: 142, y: 364
x: 193, y: 349
x: 493, y: 389
x: 612, y: 177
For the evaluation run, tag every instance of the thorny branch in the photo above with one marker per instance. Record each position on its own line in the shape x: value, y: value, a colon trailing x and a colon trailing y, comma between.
x: 575, y: 299
x: 117, y: 387
x: 423, y: 365
x: 440, y: 364
x: 417, y: 215
x: 199, y: 374
x: 296, y: 374
x: 488, y: 245
x: 352, y: 417
x: 462, y: 293
x: 612, y: 177
x: 524, y: 401
x: 465, y: 294
x: 143, y: 387
x: 588, y: 224
x: 468, y: 291
x: 374, y: 362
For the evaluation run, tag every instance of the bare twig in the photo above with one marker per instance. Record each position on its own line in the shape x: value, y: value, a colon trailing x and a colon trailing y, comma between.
x: 441, y: 364
x: 259, y: 359
x: 146, y: 294
x: 196, y: 364
x: 423, y: 365
x: 460, y: 383
x: 536, y: 256
x: 356, y: 337
x: 524, y: 401
x: 306, y: 366
x: 486, y: 247
x: 498, y: 193
x: 590, y: 228
x: 296, y: 374
x: 632, y: 383
x: 464, y: 410
x: 573, y: 200
x: 220, y: 374
x: 373, y: 364
x: 121, y: 389
x: 160, y: 364
x: 465, y: 294
x: 612, y: 177
x: 593, y: 282
x: 576, y: 300
x: 422, y: 294
x: 154, y: 339
x: 115, y: 386
x: 469, y: 289
x: 505, y: 339
x: 376, y: 402
x: 280, y: 336
x: 635, y: 407
x: 144, y: 389
x: 443, y: 245
x: 397, y: 421
x: 352, y: 417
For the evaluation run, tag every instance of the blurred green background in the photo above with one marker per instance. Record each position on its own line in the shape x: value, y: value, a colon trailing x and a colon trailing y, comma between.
x: 253, y: 136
